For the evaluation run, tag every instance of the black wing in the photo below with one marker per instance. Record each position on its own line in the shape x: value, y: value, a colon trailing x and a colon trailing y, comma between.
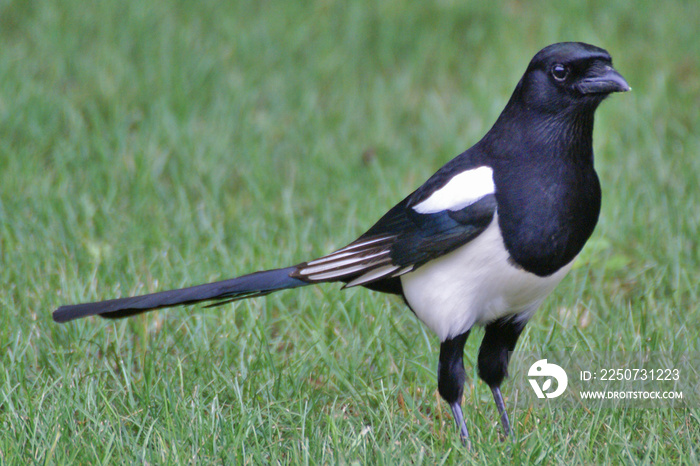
x: 401, y: 241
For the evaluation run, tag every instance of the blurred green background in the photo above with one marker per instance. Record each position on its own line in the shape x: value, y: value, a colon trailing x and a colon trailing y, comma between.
x: 152, y: 145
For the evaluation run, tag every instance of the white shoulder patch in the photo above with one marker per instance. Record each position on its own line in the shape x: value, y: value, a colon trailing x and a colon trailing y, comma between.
x: 461, y: 191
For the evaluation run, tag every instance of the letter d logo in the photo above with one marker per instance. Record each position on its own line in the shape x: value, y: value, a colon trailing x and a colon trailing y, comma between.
x: 544, y: 369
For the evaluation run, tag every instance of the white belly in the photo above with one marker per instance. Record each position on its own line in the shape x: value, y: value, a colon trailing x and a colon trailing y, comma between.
x: 475, y: 284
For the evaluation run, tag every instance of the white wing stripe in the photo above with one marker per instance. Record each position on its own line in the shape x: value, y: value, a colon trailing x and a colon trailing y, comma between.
x: 341, y: 253
x: 402, y: 271
x: 461, y: 191
x: 354, y: 246
x: 339, y: 272
x: 331, y: 257
x: 373, y: 275
x: 341, y: 263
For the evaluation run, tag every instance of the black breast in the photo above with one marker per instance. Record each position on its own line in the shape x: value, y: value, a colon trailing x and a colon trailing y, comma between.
x: 546, y: 214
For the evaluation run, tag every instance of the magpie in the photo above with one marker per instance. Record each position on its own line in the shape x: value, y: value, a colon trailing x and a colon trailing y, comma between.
x: 481, y: 243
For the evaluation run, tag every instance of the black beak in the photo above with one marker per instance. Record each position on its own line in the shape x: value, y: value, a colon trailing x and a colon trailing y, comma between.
x: 603, y: 80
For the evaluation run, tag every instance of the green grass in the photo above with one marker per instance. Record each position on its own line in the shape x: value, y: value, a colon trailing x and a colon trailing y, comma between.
x: 152, y: 145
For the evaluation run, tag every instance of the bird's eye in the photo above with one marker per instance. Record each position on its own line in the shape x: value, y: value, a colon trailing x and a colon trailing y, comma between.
x: 560, y: 72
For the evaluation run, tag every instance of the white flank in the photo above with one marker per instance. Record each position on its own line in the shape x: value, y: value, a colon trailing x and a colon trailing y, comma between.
x: 462, y: 190
x: 475, y: 284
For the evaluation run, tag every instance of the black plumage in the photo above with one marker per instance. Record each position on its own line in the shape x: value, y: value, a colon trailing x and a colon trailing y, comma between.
x: 482, y: 242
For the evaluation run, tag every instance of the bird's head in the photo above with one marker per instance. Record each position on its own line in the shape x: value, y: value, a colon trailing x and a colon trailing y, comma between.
x: 569, y: 76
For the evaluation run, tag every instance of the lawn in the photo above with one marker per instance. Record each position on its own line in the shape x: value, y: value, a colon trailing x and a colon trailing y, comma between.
x: 154, y: 145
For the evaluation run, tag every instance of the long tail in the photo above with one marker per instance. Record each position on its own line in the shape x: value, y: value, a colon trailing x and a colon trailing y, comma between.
x: 247, y: 286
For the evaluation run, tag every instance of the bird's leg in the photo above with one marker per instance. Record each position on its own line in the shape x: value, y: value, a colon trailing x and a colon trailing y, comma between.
x: 461, y: 425
x: 494, y: 354
x: 498, y: 398
x: 451, y: 377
